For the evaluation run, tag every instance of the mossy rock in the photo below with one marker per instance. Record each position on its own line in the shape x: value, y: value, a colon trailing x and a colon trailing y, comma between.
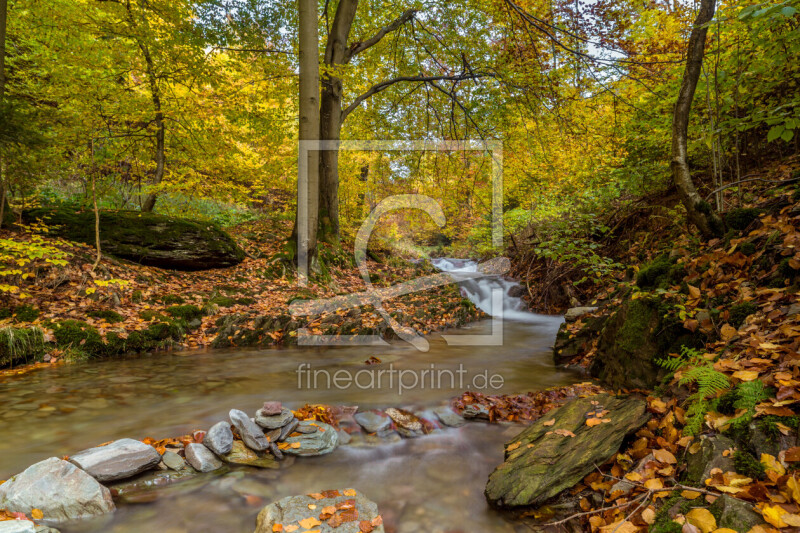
x: 735, y: 514
x: 78, y: 335
x: 634, y: 337
x: 223, y: 301
x: 146, y: 238
x: 542, y: 461
x: 185, y: 312
x: 112, y: 317
x: 20, y: 345
x: 165, y: 331
x: 660, y: 273
x: 741, y: 218
x: 172, y: 299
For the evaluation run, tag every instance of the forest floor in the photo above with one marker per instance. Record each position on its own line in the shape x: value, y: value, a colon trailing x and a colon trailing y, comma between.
x: 121, y: 307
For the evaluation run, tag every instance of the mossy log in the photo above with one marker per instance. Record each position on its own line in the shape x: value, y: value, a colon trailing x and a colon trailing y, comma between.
x: 146, y: 238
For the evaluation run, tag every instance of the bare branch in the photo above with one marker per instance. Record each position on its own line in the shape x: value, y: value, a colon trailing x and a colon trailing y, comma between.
x: 382, y: 86
x: 357, y: 48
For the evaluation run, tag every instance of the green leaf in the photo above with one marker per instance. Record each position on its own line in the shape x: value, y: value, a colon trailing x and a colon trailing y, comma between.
x: 775, y: 132
x: 787, y: 135
x: 788, y: 11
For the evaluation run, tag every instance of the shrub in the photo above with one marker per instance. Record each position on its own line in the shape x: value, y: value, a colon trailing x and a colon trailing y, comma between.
x: 79, y: 335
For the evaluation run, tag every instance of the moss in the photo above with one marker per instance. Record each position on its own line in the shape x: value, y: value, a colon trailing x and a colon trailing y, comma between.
x: 172, y: 299
x: 78, y: 334
x: 785, y: 268
x: 246, y: 301
x: 660, y: 273
x: 112, y: 317
x: 163, y: 331
x: 20, y: 345
x: 747, y: 465
x: 26, y: 313
x: 185, y: 312
x: 739, y: 312
x: 5, y: 312
x: 662, y: 522
x: 222, y: 301
x: 137, y: 296
x: 747, y: 248
x: 769, y: 425
x: 739, y: 219
x: 150, y: 314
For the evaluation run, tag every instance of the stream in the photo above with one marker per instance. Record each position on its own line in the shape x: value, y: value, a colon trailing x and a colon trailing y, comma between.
x: 433, y: 484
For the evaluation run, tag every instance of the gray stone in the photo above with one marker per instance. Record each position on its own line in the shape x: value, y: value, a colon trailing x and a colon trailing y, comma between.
x: 324, y: 439
x: 544, y: 460
x: 575, y: 313
x: 59, y: 489
x: 373, y: 420
x: 624, y: 486
x: 251, y: 434
x: 201, y: 458
x: 274, y: 421
x: 121, y: 459
x: 735, y: 514
x: 174, y: 461
x: 219, y: 438
x: 289, y: 511
x: 448, y: 417
x: 709, y: 456
x: 288, y: 429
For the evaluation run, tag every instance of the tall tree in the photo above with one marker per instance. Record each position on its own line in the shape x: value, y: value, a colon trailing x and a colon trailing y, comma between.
x: 339, y: 52
x: 308, y: 168
x: 3, y: 14
x: 699, y: 211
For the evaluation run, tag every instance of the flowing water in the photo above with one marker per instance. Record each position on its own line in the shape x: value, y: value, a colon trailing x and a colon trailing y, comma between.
x: 434, y: 483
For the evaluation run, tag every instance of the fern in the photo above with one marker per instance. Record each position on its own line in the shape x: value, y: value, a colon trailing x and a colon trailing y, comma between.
x: 709, y: 381
x: 748, y: 395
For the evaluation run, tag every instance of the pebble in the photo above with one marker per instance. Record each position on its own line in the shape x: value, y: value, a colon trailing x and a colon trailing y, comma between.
x: 219, y: 438
x: 271, y: 408
x: 274, y: 421
x: 201, y: 458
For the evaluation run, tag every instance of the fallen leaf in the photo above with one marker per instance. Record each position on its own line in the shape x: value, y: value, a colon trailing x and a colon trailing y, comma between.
x: 308, y: 523
x: 549, y: 422
x: 664, y: 456
x: 702, y: 519
x: 37, y: 514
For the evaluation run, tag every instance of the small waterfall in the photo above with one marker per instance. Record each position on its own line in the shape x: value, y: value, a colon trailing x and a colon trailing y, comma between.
x: 479, y: 289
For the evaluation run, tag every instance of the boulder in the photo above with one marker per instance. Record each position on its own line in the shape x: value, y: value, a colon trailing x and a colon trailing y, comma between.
x: 352, y: 513
x: 146, y: 238
x: 373, y: 421
x: 201, y: 458
x: 574, y: 313
x: 709, y: 456
x: 321, y: 439
x: 570, y: 345
x: 219, y: 438
x: 242, y: 455
x: 59, y: 489
x: 735, y: 514
x: 544, y: 460
x: 633, y: 338
x: 118, y: 460
x: 251, y: 434
x: 24, y: 526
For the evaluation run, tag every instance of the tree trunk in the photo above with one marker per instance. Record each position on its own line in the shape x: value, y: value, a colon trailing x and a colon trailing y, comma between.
x: 308, y: 170
x: 96, y: 213
x: 155, y: 92
x: 4, y: 208
x: 331, y: 119
x: 699, y: 211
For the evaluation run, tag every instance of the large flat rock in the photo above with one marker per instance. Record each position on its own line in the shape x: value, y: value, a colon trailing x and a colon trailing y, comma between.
x: 331, y: 511
x: 120, y: 459
x: 59, y: 489
x: 544, y: 460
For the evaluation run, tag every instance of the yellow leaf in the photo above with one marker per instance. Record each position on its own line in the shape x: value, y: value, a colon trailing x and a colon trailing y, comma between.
x: 633, y: 476
x: 694, y: 292
x: 746, y: 375
x: 702, y: 519
x: 549, y: 422
x: 649, y: 516
x: 664, y: 456
x: 350, y: 492
x: 591, y: 422
x: 512, y: 447
x: 772, y: 514
x: 37, y: 514
x: 653, y: 484
x: 772, y: 464
x: 690, y: 494
x: 794, y: 486
x: 308, y: 523
x: 727, y: 332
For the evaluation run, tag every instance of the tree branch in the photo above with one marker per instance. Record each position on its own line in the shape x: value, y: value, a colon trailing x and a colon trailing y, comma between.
x: 357, y: 48
x: 382, y: 86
